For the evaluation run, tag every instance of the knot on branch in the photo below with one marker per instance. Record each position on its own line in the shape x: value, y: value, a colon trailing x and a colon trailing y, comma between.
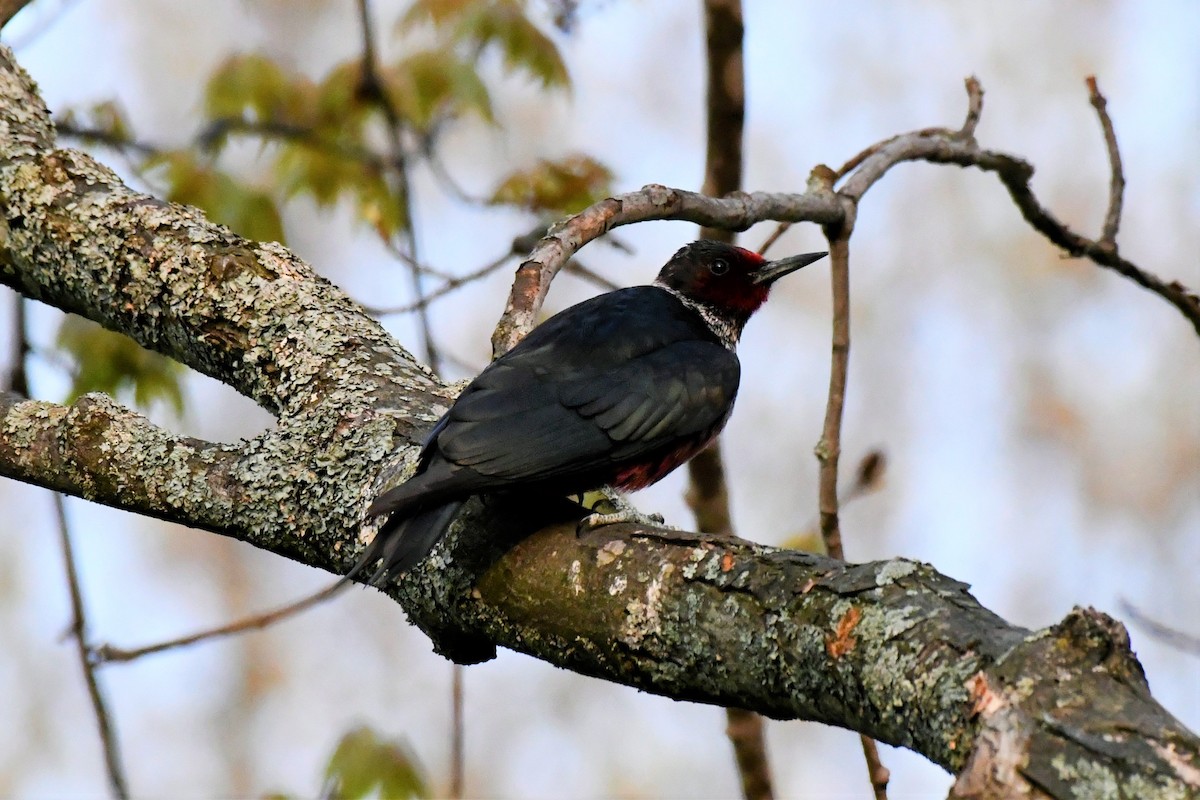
x: 88, y: 420
x: 1085, y: 645
x: 1099, y: 641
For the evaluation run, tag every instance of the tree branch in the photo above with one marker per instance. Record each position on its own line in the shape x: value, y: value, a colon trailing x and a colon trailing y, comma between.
x: 79, y: 632
x: 737, y: 212
x: 9, y: 9
x: 1116, y: 189
x: 942, y: 146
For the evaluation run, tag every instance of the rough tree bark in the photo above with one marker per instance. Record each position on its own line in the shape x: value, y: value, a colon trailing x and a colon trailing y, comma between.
x: 892, y: 649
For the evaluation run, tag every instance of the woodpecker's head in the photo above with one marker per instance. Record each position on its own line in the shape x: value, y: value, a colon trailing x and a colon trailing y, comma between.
x: 731, y: 281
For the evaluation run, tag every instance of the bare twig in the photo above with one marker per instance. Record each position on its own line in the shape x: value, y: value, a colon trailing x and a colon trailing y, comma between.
x: 108, y: 735
x: 747, y: 733
x: 9, y: 9
x: 445, y: 289
x: 828, y: 449
x: 1116, y: 189
x: 574, y: 267
x: 107, y: 654
x: 108, y: 138
x: 519, y: 246
x: 726, y: 103
x: 269, y: 129
x: 18, y: 377
x: 708, y: 494
x: 735, y: 212
x: 876, y: 771
x: 974, y: 108
x: 373, y: 89
x: 18, y: 383
x: 1184, y: 642
x: 774, y: 237
x: 939, y: 146
x: 457, y: 754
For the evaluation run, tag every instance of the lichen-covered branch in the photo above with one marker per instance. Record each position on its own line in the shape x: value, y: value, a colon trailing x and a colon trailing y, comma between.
x: 874, y: 647
x: 892, y: 649
x: 251, y: 315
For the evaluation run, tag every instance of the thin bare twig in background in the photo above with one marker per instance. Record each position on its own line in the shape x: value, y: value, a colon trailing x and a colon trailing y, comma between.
x: 974, y: 107
x: 829, y: 448
x: 446, y: 288
x: 1116, y: 189
x: 78, y: 631
x: 373, y: 89
x: 774, y: 237
x: 107, y: 654
x: 941, y: 146
x: 458, y: 758
x: 1183, y: 642
x: 18, y: 382
x: 18, y: 377
x: 708, y: 494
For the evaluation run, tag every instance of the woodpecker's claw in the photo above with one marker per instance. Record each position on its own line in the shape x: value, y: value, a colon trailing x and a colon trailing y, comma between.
x: 593, y: 521
x: 611, y: 508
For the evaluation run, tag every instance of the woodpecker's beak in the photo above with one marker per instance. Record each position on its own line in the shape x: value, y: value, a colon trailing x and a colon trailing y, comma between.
x: 774, y: 270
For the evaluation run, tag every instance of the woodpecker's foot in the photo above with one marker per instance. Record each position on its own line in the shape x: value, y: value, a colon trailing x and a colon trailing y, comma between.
x: 609, y: 507
x: 600, y: 520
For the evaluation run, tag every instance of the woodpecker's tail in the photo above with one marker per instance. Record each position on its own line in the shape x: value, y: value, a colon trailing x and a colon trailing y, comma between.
x: 404, y: 540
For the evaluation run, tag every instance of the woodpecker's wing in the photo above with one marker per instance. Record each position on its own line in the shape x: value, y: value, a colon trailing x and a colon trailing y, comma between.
x: 632, y: 374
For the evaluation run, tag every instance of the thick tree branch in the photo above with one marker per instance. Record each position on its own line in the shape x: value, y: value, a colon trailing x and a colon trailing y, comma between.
x: 253, y: 316
x: 787, y: 634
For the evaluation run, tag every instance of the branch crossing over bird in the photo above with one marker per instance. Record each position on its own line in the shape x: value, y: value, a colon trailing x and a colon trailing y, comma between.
x: 618, y: 391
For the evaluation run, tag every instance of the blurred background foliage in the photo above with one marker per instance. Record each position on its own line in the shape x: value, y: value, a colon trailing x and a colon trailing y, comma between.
x: 1039, y: 417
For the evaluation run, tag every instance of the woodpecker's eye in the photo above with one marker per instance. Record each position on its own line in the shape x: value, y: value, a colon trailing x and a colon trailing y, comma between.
x: 719, y: 267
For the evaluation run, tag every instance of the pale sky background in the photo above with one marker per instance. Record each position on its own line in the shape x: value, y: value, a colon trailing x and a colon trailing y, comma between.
x: 1041, y: 416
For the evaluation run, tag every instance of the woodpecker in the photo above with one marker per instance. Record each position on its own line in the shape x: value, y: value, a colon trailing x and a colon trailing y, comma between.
x: 618, y: 391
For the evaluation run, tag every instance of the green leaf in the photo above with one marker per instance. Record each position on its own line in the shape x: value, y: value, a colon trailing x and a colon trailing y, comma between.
x: 431, y: 84
x: 255, y: 87
x: 341, y: 109
x: 502, y: 23
x: 524, y: 46
x: 327, y: 177
x: 363, y: 764
x: 247, y: 211
x: 115, y: 364
x: 564, y: 186
x: 440, y: 13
